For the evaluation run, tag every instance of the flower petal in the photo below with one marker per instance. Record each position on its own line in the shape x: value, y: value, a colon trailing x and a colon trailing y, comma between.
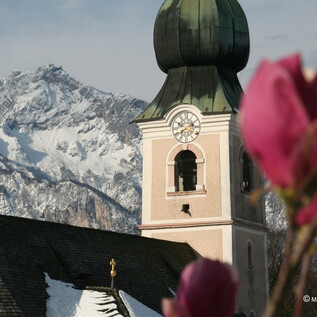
x: 171, y: 308
x: 307, y: 214
x: 304, y: 157
x: 311, y: 99
x: 208, y: 288
x: 307, y: 89
x: 273, y: 120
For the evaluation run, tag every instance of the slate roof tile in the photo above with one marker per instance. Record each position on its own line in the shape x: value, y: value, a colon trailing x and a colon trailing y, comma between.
x: 145, y: 267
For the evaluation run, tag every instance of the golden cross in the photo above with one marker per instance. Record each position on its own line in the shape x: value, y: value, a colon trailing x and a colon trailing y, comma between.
x: 113, y: 272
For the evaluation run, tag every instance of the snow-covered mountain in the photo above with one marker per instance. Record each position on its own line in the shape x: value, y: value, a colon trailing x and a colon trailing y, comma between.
x: 68, y: 152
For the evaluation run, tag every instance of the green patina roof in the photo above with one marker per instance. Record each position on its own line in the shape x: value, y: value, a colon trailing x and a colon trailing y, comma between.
x: 201, y: 45
x: 201, y: 32
x: 209, y: 88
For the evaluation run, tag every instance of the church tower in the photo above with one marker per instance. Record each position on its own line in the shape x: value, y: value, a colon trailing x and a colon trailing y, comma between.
x: 196, y: 176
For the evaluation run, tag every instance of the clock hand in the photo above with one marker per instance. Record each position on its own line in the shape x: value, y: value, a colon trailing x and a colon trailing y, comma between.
x: 194, y: 131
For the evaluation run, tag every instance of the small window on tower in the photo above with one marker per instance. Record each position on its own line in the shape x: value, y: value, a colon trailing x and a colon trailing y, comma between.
x: 185, y: 171
x: 246, y: 173
x: 252, y: 313
x: 250, y: 255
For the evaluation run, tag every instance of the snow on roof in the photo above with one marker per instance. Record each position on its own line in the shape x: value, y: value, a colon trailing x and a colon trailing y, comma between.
x: 135, y: 308
x: 65, y: 300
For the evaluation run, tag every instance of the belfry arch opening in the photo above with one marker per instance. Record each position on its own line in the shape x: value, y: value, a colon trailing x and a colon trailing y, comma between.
x: 246, y: 172
x: 185, y: 171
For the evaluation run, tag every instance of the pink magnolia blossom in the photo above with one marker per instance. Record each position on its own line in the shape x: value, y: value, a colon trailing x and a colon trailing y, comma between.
x: 279, y: 122
x: 308, y: 213
x: 207, y: 288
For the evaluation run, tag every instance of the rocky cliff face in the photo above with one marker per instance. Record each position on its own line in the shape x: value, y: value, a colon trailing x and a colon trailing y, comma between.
x: 68, y: 152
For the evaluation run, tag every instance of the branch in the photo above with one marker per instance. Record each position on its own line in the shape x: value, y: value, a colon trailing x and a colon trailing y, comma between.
x: 289, y: 268
x: 301, y: 285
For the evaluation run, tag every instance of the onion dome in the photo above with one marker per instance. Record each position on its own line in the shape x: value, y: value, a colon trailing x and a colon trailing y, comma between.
x: 201, y: 32
x: 201, y: 45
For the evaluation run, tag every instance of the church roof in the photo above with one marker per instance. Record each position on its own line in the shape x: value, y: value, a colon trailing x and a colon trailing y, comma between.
x: 66, y: 300
x: 201, y: 32
x: 201, y: 45
x: 146, y: 268
x: 212, y: 90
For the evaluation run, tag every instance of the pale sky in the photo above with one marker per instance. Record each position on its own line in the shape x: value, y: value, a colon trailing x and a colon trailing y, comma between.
x: 108, y: 44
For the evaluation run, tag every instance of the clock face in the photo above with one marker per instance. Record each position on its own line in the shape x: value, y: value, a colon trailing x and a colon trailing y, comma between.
x: 185, y: 127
